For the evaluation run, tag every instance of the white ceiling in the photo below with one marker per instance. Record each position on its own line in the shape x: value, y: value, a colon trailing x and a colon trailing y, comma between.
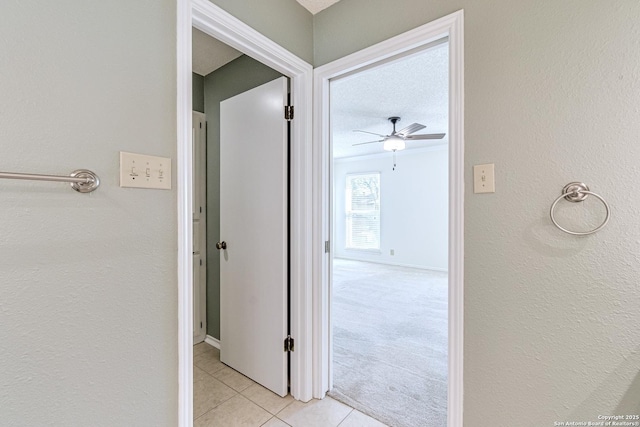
x: 315, y: 6
x: 209, y: 54
x: 414, y: 87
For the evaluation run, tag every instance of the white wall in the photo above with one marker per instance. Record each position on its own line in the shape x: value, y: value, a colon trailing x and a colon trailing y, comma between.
x: 88, y: 293
x: 413, y: 207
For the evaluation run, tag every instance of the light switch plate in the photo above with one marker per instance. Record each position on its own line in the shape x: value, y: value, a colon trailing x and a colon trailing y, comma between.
x: 142, y: 171
x: 484, y: 179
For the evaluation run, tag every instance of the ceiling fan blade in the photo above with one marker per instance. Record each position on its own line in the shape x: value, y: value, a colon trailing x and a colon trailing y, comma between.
x: 425, y: 136
x: 368, y: 142
x: 376, y: 134
x: 415, y: 127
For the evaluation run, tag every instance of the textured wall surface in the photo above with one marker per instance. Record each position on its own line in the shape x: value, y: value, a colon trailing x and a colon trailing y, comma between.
x: 88, y: 295
x: 285, y: 22
x: 236, y: 77
x: 413, y: 207
x: 88, y: 282
x: 551, y: 96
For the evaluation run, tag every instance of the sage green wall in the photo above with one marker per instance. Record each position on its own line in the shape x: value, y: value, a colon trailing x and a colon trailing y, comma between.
x: 285, y: 22
x: 238, y: 76
x: 551, y: 96
x: 197, y: 92
x: 88, y: 294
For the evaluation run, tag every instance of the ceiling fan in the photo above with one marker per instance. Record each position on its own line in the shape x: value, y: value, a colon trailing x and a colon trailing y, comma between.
x: 396, y: 140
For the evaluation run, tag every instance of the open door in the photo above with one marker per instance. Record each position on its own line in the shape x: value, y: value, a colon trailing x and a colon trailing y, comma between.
x: 254, y: 232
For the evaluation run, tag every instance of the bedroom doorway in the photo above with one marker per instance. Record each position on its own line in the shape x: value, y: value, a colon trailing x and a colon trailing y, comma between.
x: 389, y: 287
x: 448, y: 29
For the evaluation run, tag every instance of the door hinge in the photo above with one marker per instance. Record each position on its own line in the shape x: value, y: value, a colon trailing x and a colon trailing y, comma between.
x: 288, y: 112
x: 288, y: 343
x: 326, y: 246
x: 200, y: 209
x: 200, y: 325
x: 200, y: 125
x: 200, y: 262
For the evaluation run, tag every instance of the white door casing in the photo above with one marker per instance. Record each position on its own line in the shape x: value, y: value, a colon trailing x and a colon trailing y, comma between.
x: 199, y: 215
x: 450, y: 26
x: 253, y: 224
x: 217, y: 23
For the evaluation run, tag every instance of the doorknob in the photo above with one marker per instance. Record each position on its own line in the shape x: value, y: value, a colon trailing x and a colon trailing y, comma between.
x: 221, y: 245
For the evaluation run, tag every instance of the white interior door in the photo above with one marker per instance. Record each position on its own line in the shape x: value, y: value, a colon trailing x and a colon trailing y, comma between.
x: 199, y: 213
x: 253, y: 224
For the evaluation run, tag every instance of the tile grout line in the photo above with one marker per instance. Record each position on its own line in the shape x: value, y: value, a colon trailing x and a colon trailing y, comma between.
x: 260, y: 406
x: 346, y: 416
x: 241, y: 393
x: 289, y: 425
x: 217, y: 380
x: 229, y: 385
x: 217, y: 405
x: 211, y: 375
x: 274, y: 417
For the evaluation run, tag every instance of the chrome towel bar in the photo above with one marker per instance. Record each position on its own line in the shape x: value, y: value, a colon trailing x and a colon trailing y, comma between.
x: 81, y: 180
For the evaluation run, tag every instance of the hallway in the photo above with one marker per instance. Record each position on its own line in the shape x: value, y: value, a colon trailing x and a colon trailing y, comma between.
x: 224, y: 397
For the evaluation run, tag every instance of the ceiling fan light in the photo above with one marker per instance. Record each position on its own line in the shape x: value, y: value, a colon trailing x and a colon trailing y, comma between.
x: 394, y: 143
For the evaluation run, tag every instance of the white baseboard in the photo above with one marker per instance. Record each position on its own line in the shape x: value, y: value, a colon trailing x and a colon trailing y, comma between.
x: 397, y: 264
x: 212, y: 341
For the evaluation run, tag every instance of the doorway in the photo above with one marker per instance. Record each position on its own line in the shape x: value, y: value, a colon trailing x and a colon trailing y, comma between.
x: 215, y: 22
x: 389, y: 132
x: 246, y: 160
x: 449, y: 28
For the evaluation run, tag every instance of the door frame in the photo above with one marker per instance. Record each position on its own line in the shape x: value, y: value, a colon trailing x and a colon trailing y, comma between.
x: 202, y: 249
x: 450, y: 26
x: 211, y: 19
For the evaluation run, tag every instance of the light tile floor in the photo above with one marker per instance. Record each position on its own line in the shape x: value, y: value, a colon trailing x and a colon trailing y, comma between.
x: 224, y: 397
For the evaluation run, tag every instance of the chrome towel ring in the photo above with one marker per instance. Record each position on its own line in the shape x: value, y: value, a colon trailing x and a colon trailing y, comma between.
x: 577, y: 192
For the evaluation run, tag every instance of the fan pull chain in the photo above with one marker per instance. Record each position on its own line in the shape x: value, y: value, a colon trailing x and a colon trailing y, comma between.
x: 394, y: 159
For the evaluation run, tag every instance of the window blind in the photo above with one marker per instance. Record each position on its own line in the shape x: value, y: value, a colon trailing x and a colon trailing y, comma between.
x: 363, y: 211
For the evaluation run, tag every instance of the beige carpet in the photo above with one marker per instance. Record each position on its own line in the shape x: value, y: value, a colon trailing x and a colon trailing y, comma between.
x: 390, y: 342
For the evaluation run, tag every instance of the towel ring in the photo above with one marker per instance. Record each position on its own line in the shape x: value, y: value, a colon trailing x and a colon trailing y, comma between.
x: 576, y: 192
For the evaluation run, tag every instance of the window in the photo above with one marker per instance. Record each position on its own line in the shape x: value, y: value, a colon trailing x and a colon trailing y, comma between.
x: 362, y: 205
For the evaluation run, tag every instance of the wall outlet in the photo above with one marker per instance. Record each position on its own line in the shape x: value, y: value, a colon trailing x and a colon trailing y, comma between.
x: 392, y: 252
x: 484, y: 179
x: 142, y: 171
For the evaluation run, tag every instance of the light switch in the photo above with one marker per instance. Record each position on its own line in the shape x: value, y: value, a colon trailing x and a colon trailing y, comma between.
x: 484, y: 179
x: 142, y: 171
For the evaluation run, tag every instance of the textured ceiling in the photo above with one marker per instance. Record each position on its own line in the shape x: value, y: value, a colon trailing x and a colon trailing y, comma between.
x: 315, y: 6
x: 209, y: 54
x: 414, y: 87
